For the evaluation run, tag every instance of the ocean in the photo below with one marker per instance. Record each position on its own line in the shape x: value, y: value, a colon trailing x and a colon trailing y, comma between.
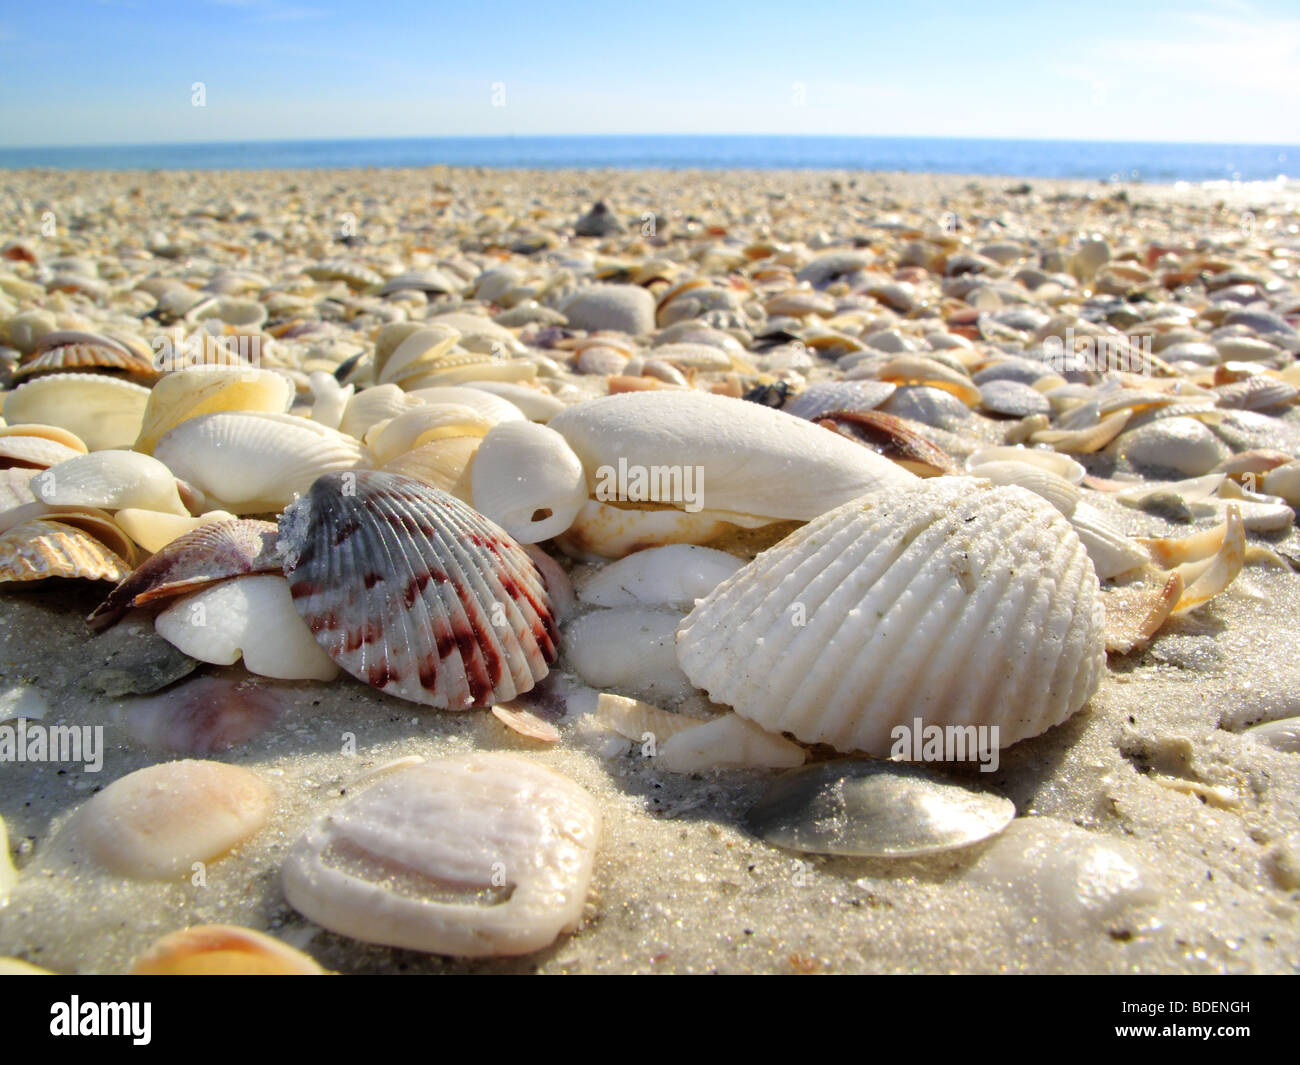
x: 1116, y: 161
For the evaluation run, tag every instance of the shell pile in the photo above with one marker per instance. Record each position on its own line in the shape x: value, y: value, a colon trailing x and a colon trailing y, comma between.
x: 799, y: 468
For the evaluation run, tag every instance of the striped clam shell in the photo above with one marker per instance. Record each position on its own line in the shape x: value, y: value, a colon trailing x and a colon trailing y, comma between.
x: 415, y: 593
x: 60, y: 351
x: 951, y: 600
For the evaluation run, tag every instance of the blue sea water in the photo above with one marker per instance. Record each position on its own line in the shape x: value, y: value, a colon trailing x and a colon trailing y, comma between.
x: 1019, y: 158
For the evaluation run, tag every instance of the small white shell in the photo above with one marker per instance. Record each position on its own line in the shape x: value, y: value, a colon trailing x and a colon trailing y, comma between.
x: 728, y: 741
x: 491, y: 406
x: 252, y: 463
x: 536, y: 404
x: 1111, y: 551
x: 627, y: 648
x: 527, y: 479
x: 1054, y: 462
x: 673, y: 575
x: 1062, y: 494
x: 252, y: 617
x: 112, y: 480
x: 1284, y: 481
x: 1180, y: 444
x: 155, y: 823
x: 952, y: 601
x: 478, y: 855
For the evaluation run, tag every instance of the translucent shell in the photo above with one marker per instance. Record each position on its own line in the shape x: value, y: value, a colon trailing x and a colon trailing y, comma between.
x: 104, y: 412
x: 415, y: 593
x: 952, y: 601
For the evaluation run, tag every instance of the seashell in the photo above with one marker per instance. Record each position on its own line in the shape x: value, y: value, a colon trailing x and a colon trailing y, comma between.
x: 1012, y: 398
x: 1062, y: 494
x: 1282, y: 735
x: 199, y: 390
x: 8, y: 874
x: 373, y: 405
x: 422, y: 425
x: 817, y: 399
x: 103, y: 412
x: 111, y: 480
x: 639, y: 722
x: 1204, y: 580
x: 918, y: 370
x: 1112, y: 552
x: 14, y: 488
x: 203, y: 556
x: 1087, y: 440
x: 477, y: 855
x: 600, y: 360
x: 417, y: 354
x: 222, y: 950
x: 526, y: 723
x: 444, y: 464
x: 1257, y: 393
x: 62, y: 351
x: 558, y: 586
x: 628, y: 648
x: 537, y: 405
x: 256, y: 463
x: 431, y: 282
x: 329, y: 398
x: 154, y: 530
x: 413, y: 592
x: 132, y: 659
x: 43, y: 548
x: 91, y: 520
x: 527, y: 479
x: 891, y: 438
x: 240, y: 315
x: 727, y: 742
x: 495, y: 408
x: 354, y: 275
x: 250, y: 617
x: 18, y: 449
x: 1180, y: 444
x: 746, y: 458
x: 674, y: 575
x: 874, y: 810
x: 1135, y: 612
x: 204, y: 716
x: 951, y: 601
x: 1284, y: 481
x: 930, y: 406
x: 1053, y: 462
x: 1169, y: 551
x: 153, y: 824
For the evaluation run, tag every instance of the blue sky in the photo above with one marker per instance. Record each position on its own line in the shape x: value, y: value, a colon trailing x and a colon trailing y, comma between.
x: 122, y: 71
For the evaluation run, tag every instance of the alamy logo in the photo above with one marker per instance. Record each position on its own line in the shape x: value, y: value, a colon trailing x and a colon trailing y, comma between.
x: 102, y: 1018
x: 53, y: 743
x: 632, y: 483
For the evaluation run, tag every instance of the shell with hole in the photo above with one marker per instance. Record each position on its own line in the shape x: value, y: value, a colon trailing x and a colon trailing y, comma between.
x: 952, y: 601
x: 255, y: 463
x: 415, y: 593
x: 527, y: 479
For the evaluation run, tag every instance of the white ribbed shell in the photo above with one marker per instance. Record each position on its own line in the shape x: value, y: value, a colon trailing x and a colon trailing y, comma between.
x: 952, y: 600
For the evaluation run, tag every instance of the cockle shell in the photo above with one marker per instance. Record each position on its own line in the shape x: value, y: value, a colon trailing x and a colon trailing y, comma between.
x: 1062, y: 494
x: 249, y: 617
x: 477, y: 855
x: 154, y: 530
x: 153, y: 824
x: 256, y: 463
x: 527, y: 479
x: 494, y: 407
x: 415, y: 593
x: 222, y: 950
x: 749, y: 459
x: 199, y: 390
x: 61, y: 351
x: 673, y: 575
x: 204, y: 556
x: 951, y: 600
x: 43, y: 548
x: 104, y: 412
x: 373, y: 405
x: 110, y: 480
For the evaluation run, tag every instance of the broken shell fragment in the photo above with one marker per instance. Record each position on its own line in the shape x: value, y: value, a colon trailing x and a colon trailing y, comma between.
x: 727, y: 742
x: 477, y: 855
x: 875, y: 809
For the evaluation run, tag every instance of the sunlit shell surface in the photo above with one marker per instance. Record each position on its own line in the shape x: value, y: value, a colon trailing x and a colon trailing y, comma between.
x: 104, y: 412
x: 527, y: 479
x: 875, y: 809
x: 415, y: 593
x: 672, y: 575
x: 223, y: 950
x: 476, y: 855
x: 951, y: 601
x: 39, y: 549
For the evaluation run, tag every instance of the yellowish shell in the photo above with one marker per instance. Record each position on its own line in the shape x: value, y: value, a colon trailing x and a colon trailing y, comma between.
x: 40, y: 549
x: 223, y: 950
x: 199, y: 390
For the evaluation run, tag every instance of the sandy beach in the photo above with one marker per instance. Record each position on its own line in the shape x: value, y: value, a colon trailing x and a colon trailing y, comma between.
x: 1154, y: 832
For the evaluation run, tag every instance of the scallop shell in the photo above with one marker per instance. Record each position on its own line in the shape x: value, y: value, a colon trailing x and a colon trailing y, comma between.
x: 101, y: 411
x: 1062, y: 494
x: 200, y: 390
x: 256, y: 463
x: 61, y: 351
x: 674, y: 575
x: 111, y: 480
x: 875, y: 810
x: 477, y: 855
x: 222, y: 950
x: 1061, y: 465
x: 494, y: 407
x: 749, y: 459
x: 952, y: 601
x: 373, y: 405
x: 527, y: 479
x: 153, y: 530
x: 416, y: 594
x: 153, y: 824
x: 39, y: 549
x: 204, y: 556
x: 250, y: 617
x: 204, y: 716
x: 422, y: 425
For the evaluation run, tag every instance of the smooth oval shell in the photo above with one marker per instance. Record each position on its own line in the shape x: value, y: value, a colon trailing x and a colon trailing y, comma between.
x: 952, y: 601
x: 1282, y: 734
x: 477, y: 855
x: 527, y: 479
x: 415, y: 593
x: 153, y: 824
x: 673, y: 575
x: 111, y: 480
x: 1061, y: 465
x: 104, y: 412
x: 751, y: 459
x: 872, y: 809
x: 1181, y: 444
x: 223, y: 950
x: 628, y: 648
